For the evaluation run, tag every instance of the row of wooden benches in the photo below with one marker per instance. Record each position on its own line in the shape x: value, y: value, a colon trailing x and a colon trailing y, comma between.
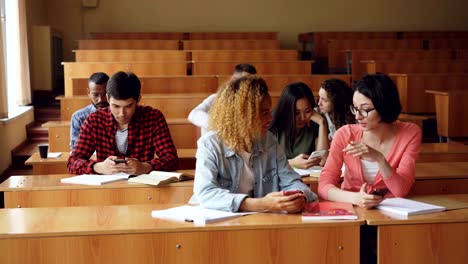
x: 411, y: 86
x: 85, y: 69
x: 336, y: 48
x: 184, y: 35
x: 317, y: 42
x: 127, y: 55
x: 213, y: 44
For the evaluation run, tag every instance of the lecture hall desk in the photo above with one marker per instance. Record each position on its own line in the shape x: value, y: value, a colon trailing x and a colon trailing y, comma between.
x: 430, y: 178
x: 128, y: 234
x: 47, y: 191
x: 59, y: 165
x: 421, y: 239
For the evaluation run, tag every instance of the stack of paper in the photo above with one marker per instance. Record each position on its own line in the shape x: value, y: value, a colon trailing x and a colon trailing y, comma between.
x: 408, y: 207
x: 195, y: 214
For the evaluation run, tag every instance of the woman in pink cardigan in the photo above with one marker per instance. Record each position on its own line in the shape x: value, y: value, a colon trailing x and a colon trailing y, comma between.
x: 378, y: 153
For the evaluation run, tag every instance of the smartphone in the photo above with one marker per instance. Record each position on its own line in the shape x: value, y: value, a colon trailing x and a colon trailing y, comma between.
x: 379, y: 191
x: 117, y: 161
x: 291, y: 192
x: 317, y: 153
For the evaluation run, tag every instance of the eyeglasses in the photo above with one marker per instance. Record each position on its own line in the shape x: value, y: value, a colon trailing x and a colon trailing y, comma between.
x: 362, y: 112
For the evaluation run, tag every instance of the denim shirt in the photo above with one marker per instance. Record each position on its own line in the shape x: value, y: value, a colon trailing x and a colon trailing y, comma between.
x: 77, y: 120
x: 218, y: 171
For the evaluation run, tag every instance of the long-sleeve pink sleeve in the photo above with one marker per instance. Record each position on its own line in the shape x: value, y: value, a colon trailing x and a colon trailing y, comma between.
x: 401, y: 158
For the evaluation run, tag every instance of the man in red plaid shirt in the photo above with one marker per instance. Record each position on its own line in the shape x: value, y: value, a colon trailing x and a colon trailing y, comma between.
x: 125, y: 135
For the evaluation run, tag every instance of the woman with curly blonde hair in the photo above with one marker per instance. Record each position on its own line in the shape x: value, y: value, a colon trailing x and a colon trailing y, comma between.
x: 240, y: 166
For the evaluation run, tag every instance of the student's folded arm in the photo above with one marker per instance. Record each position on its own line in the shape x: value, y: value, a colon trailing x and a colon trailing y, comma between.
x: 207, y: 188
x: 401, y: 181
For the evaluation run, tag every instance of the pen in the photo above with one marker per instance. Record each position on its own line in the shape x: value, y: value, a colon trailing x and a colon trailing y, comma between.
x: 188, y: 220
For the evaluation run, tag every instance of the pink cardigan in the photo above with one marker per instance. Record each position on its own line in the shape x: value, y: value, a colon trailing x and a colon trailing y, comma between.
x: 401, y: 157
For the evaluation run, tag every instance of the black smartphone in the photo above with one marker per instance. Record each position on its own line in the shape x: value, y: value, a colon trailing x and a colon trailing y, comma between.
x: 117, y: 161
x: 379, y: 191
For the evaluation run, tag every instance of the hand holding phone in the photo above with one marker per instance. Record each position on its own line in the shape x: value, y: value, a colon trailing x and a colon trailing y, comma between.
x: 291, y: 192
x: 379, y: 191
x: 317, y: 153
x: 117, y: 161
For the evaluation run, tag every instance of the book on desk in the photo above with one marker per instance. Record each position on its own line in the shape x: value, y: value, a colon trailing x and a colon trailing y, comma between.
x: 160, y: 178
x: 327, y: 210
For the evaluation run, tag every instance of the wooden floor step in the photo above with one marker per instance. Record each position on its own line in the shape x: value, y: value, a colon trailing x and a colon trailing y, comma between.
x: 47, y: 113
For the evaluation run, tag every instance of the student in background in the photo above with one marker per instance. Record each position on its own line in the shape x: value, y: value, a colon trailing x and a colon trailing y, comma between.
x: 199, y: 115
x: 125, y: 136
x: 335, y: 99
x: 300, y: 130
x: 379, y: 152
x: 240, y: 166
x: 97, y: 94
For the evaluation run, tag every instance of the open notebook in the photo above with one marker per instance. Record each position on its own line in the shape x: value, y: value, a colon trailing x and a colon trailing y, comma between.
x: 195, y: 214
x: 94, y: 179
x: 160, y: 178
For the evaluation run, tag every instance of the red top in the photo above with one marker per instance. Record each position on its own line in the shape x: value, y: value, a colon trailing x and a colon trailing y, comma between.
x: 401, y: 157
x: 148, y: 134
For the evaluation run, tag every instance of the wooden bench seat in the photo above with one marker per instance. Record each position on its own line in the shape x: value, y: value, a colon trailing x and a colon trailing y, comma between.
x: 451, y: 113
x: 232, y: 35
x: 412, y: 87
x: 138, y: 35
x: 119, y: 55
x: 160, y: 84
x: 85, y: 69
x: 337, y: 58
x: 416, y: 66
x: 171, y: 105
x: 263, y: 67
x: 242, y: 44
x: 443, y: 152
x: 210, y: 84
x: 355, y: 56
x: 183, y: 133
x: 149, y: 44
x: 244, y: 55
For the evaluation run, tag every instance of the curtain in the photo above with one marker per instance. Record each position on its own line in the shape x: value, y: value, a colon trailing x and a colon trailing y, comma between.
x: 3, y: 91
x: 24, y: 91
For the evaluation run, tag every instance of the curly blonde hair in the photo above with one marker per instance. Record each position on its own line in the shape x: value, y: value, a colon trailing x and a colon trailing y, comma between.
x: 235, y: 114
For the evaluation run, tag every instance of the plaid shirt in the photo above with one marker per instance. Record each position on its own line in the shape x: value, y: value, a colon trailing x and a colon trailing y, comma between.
x: 148, y: 134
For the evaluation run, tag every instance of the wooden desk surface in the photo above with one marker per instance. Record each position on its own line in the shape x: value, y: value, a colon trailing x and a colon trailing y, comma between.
x: 429, y: 238
x: 377, y: 217
x: 128, y: 234
x: 48, y: 191
x: 122, y: 219
x: 52, y: 182
x: 35, y: 159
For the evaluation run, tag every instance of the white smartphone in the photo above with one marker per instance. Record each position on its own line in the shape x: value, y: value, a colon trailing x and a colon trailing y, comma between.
x: 317, y: 153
